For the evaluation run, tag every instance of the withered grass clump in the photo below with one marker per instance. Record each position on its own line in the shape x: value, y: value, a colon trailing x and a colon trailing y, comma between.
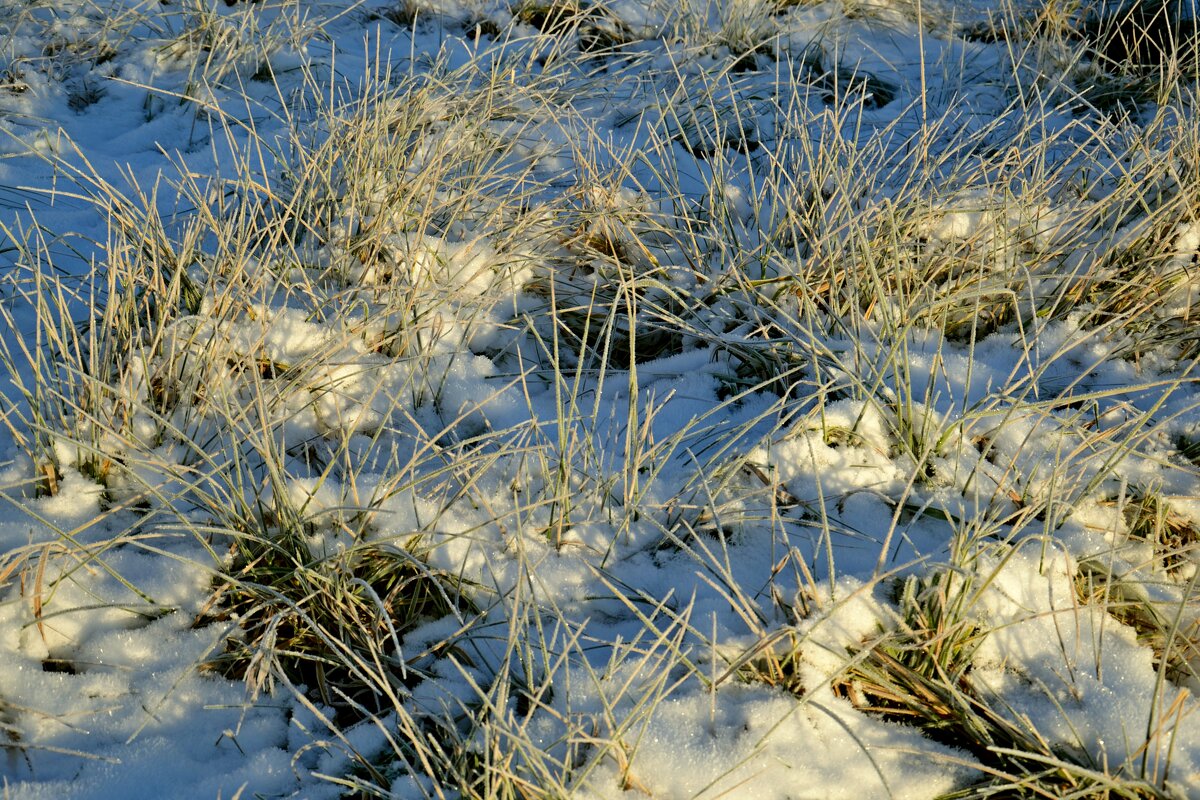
x: 919, y: 673
x: 334, y: 624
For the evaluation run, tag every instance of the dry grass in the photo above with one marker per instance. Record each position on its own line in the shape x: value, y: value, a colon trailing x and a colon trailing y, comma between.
x: 415, y: 221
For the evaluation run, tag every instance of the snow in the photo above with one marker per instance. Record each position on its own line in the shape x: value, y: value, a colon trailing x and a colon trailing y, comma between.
x: 577, y: 379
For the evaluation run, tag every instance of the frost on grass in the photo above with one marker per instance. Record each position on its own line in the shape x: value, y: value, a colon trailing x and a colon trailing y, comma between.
x: 544, y: 399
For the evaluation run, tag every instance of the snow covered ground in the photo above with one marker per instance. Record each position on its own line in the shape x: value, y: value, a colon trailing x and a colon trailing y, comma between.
x: 471, y: 398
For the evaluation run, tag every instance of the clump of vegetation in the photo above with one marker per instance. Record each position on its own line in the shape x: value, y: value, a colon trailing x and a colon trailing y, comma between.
x: 334, y: 625
x: 919, y: 673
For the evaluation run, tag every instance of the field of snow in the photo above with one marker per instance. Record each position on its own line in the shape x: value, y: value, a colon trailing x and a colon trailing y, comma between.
x: 663, y: 399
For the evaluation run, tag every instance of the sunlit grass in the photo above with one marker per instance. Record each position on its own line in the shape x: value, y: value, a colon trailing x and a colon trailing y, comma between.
x: 419, y: 335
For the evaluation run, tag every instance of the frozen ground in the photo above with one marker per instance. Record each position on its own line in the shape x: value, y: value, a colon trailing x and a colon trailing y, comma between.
x: 725, y: 399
